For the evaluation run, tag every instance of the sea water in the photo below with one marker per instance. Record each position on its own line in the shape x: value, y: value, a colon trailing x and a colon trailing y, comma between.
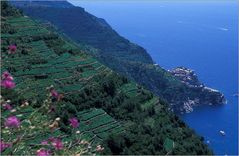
x: 201, y: 35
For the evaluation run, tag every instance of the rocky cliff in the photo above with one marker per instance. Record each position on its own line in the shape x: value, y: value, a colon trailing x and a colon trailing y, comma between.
x: 206, y: 95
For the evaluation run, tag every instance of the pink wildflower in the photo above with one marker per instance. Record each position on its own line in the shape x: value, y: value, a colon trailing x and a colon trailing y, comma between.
x: 7, y: 76
x: 43, y: 152
x: 74, y: 122
x: 12, y: 122
x: 57, y: 143
x: 8, y: 84
x: 4, y: 145
x: 12, y: 49
x: 7, y: 106
x: 54, y: 93
x: 7, y: 80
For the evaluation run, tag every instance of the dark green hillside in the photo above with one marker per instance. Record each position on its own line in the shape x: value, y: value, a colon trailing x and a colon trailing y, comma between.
x: 91, y: 31
x: 51, y: 3
x: 113, y: 111
x: 120, y: 54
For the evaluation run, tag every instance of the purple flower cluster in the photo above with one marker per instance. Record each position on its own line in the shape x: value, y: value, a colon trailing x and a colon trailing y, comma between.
x: 12, y: 122
x: 74, y: 122
x: 12, y: 49
x: 4, y: 145
x: 7, y: 80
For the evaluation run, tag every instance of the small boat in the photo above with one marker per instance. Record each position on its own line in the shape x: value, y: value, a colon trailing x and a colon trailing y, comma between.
x: 222, y: 132
x: 236, y: 94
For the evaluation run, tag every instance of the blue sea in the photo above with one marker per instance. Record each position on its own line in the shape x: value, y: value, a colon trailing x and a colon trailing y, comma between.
x: 201, y: 35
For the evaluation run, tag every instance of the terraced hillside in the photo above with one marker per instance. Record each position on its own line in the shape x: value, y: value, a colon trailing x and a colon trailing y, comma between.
x: 120, y: 54
x: 111, y: 110
x: 42, y: 66
x: 96, y: 125
x: 35, y: 67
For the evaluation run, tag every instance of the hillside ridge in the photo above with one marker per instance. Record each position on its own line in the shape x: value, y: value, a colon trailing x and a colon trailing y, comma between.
x: 122, y: 56
x: 52, y: 82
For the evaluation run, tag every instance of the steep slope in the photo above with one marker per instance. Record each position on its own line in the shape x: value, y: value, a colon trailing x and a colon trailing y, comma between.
x: 112, y: 110
x: 60, y: 3
x: 121, y: 55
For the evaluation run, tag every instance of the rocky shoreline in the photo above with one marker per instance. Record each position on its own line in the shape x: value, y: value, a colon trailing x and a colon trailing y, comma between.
x: 206, y: 96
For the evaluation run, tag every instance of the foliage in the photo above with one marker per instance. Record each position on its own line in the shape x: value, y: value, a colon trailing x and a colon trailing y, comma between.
x: 112, y: 110
x: 100, y: 40
x: 35, y: 129
x: 7, y: 10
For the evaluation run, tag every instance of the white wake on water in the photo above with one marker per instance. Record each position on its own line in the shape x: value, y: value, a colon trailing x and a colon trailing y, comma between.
x: 223, y: 29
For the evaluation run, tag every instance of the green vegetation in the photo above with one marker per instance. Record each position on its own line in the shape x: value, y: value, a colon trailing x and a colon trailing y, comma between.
x: 113, y: 111
x: 98, y: 124
x: 97, y: 38
x: 32, y: 131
